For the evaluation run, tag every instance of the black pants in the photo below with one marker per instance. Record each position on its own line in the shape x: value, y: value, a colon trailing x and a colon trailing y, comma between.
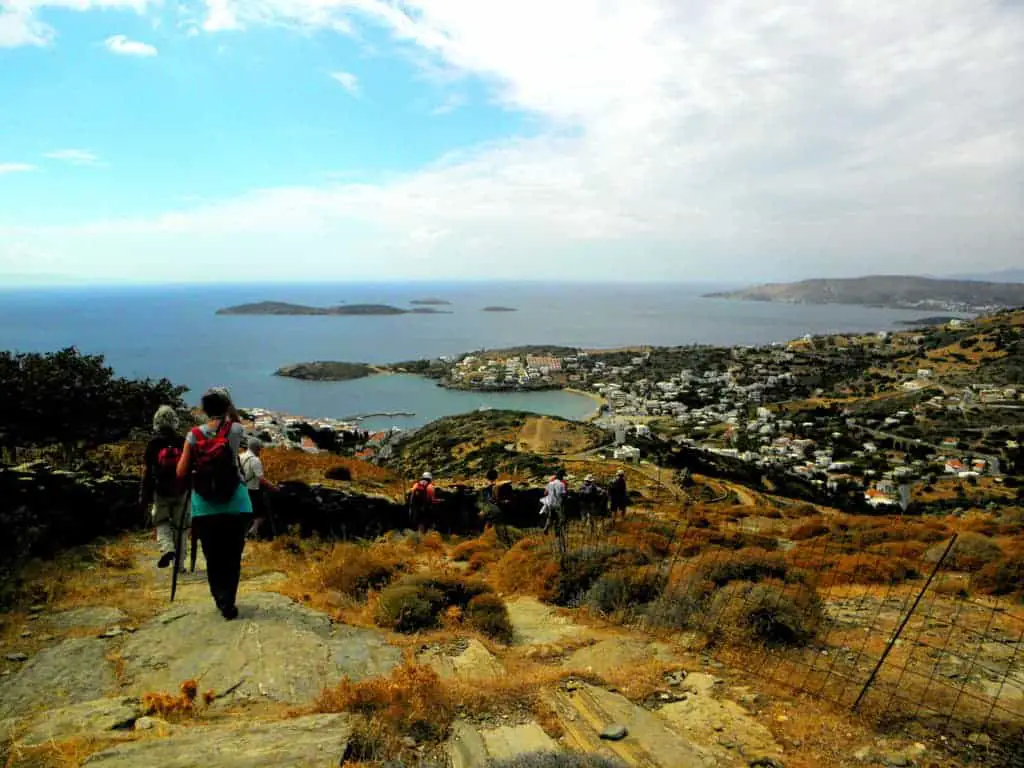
x: 223, y: 539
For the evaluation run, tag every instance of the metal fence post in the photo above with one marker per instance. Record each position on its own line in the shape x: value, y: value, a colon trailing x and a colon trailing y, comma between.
x: 903, y: 624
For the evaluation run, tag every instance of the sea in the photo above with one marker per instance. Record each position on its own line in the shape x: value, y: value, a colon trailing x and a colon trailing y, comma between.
x: 174, y: 332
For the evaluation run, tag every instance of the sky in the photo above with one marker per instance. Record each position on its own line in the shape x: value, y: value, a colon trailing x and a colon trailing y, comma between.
x: 297, y: 140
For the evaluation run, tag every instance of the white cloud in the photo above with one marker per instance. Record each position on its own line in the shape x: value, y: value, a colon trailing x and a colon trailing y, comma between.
x: 220, y: 16
x: 348, y: 81
x: 122, y: 46
x: 740, y: 138
x: 6, y: 168
x: 74, y: 156
x: 20, y: 25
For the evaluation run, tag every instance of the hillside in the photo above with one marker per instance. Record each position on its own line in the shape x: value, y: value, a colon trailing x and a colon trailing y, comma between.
x: 514, y: 442
x: 893, y: 291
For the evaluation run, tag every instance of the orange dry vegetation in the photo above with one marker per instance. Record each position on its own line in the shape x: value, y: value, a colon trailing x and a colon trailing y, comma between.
x: 528, y: 568
x: 411, y: 701
x: 282, y: 465
x: 184, y: 704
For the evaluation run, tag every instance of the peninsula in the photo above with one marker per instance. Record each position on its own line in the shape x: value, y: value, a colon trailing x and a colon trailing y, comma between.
x: 890, y: 291
x: 285, y: 308
x: 499, y: 309
x: 430, y: 302
x: 326, y: 370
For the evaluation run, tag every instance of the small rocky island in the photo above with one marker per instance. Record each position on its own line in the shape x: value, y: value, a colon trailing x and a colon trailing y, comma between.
x: 285, y: 308
x: 499, y: 309
x: 430, y: 303
x: 327, y: 370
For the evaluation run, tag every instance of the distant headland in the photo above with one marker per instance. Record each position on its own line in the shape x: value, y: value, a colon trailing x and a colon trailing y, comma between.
x: 285, y: 308
x: 889, y: 291
x: 499, y: 309
x: 431, y: 302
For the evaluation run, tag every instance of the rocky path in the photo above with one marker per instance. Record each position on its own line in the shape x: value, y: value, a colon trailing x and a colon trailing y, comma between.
x: 86, y: 685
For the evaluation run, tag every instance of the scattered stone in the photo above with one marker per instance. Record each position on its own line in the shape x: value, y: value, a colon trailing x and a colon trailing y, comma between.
x: 71, y: 672
x: 98, y: 718
x: 25, y: 634
x: 609, y: 656
x: 112, y: 632
x: 16, y: 657
x: 408, y: 742
x: 614, y: 733
x: 766, y: 762
x: 651, y: 741
x: 980, y: 739
x: 676, y: 677
x: 145, y: 723
x: 317, y: 740
x: 38, y: 608
x: 864, y: 755
x: 473, y: 663
x: 276, y: 650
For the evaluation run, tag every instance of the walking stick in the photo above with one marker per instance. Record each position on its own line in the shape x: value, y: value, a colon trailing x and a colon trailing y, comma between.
x: 179, y: 532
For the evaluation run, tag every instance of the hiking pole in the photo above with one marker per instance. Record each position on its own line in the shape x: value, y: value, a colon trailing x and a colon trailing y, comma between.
x: 179, y: 532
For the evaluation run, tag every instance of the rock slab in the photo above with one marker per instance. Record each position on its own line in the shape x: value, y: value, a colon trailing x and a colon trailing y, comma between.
x: 276, y: 650
x: 99, y: 718
x: 72, y: 672
x: 86, y: 618
x: 471, y: 747
x: 317, y: 741
x: 473, y: 664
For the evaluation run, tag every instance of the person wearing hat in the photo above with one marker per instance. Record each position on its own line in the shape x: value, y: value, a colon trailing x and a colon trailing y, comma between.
x: 252, y: 475
x: 553, y: 503
x: 421, y: 498
x: 618, y: 494
x: 161, y: 493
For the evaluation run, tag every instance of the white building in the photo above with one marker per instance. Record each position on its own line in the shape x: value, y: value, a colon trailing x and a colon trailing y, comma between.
x: 626, y: 453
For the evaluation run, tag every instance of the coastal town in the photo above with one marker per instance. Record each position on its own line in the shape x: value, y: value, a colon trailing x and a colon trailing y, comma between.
x: 859, y: 417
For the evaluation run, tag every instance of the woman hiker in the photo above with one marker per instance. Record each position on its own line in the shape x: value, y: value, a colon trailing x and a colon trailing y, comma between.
x: 162, y: 492
x: 221, y: 508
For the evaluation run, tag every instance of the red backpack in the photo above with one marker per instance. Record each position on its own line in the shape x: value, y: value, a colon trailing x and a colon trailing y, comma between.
x: 214, y: 467
x: 166, y: 474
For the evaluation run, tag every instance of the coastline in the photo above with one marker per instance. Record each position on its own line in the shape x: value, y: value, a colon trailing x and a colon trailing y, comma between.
x: 599, y: 401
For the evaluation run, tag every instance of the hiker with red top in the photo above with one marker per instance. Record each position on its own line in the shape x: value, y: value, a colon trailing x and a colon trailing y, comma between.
x: 422, y: 498
x: 221, y: 508
x: 162, y: 492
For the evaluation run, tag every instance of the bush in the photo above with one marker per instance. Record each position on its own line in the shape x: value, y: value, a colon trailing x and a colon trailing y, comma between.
x: 971, y: 552
x: 752, y: 564
x: 555, y: 760
x: 770, y: 612
x: 675, y: 609
x: 1002, y: 577
x: 869, y: 568
x: 355, y: 570
x: 487, y: 614
x: 408, y: 608
x: 417, y: 603
x: 809, y: 530
x: 579, y: 570
x: 620, y: 591
x: 411, y: 701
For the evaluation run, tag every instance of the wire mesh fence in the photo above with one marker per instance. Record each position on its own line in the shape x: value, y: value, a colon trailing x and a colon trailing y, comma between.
x: 888, y: 630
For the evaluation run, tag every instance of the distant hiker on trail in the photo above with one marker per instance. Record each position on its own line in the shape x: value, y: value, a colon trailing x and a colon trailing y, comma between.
x: 259, y: 488
x: 422, y: 498
x: 553, y: 503
x: 592, y: 501
x: 221, y: 508
x: 161, y: 492
x: 618, y: 493
x: 491, y: 508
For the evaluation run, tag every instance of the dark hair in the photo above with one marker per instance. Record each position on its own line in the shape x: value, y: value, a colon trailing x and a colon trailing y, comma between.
x: 492, y: 474
x: 215, y: 404
x: 560, y: 474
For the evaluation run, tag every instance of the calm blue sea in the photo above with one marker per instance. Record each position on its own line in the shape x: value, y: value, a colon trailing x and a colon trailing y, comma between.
x: 173, y: 332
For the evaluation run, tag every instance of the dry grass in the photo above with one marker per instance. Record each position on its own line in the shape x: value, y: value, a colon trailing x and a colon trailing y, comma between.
x: 283, y: 465
x: 70, y: 753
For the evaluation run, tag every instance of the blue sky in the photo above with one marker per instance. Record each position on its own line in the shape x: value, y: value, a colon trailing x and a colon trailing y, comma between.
x: 377, y: 139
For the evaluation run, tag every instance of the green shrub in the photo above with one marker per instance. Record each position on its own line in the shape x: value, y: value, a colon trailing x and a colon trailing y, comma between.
x: 675, y: 609
x: 770, y: 612
x: 416, y: 603
x: 1002, y: 577
x: 408, y: 608
x: 578, y: 570
x: 971, y: 552
x: 620, y: 591
x: 487, y: 613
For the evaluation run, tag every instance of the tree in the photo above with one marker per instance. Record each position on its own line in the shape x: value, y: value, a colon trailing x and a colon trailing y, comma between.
x: 70, y: 399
